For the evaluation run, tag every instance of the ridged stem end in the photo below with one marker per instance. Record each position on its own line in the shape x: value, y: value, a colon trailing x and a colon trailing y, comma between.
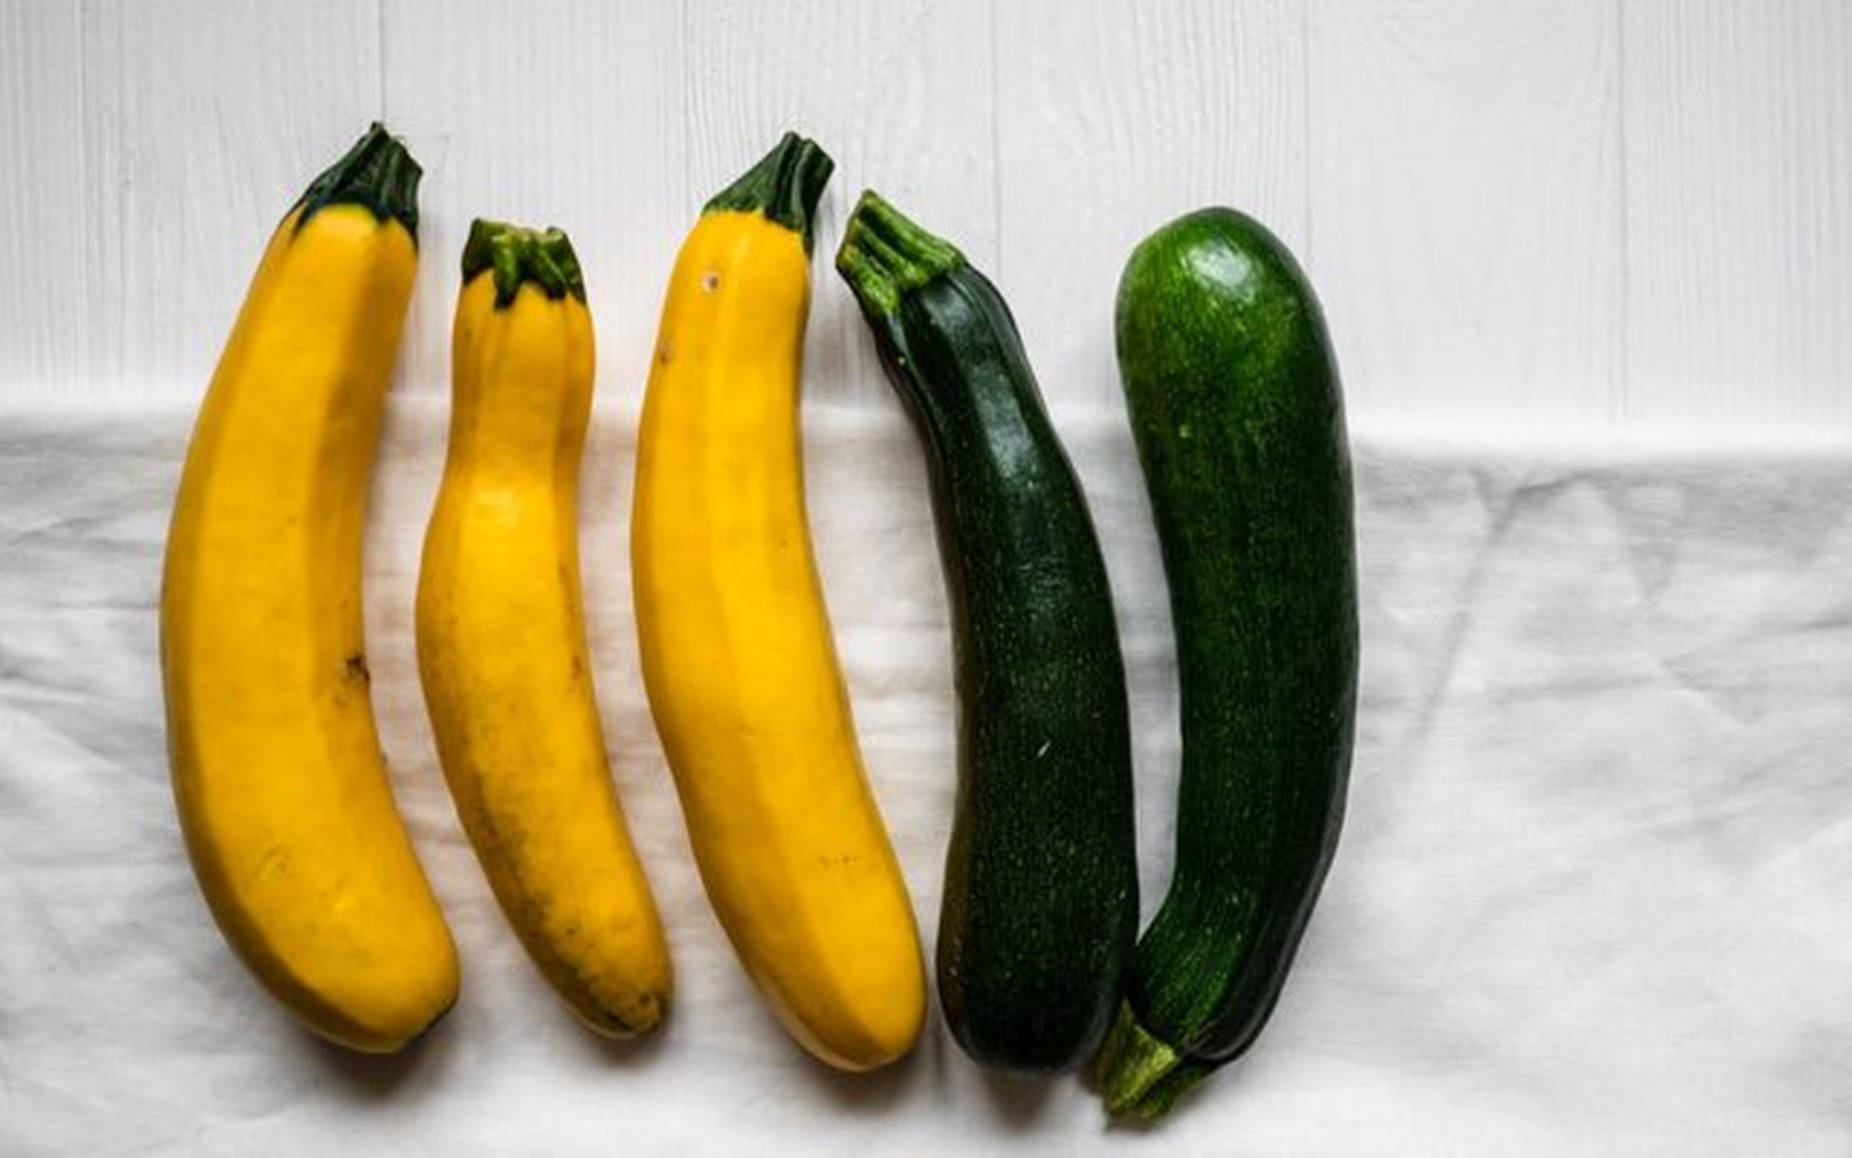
x: 884, y: 254
x: 377, y: 174
x: 514, y: 255
x: 785, y: 186
x: 1167, y: 1091
x: 1131, y: 1063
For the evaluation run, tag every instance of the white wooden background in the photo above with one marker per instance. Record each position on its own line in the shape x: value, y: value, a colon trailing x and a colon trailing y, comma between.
x: 1593, y: 215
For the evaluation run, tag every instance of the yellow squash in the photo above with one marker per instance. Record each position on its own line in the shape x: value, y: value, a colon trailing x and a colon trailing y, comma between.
x: 282, y: 790
x: 502, y: 642
x: 737, y: 654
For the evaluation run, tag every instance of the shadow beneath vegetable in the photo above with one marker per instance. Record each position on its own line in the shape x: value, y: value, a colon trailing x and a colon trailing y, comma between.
x: 367, y: 1077
x: 1131, y: 1126
x: 623, y: 1052
x: 872, y: 1093
x: 1018, y: 1099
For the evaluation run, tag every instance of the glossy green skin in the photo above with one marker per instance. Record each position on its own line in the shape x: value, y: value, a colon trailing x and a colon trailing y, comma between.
x: 1238, y: 415
x: 1041, y: 887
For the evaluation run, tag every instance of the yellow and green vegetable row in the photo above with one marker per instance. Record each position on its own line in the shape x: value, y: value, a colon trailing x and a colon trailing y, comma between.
x: 283, y: 793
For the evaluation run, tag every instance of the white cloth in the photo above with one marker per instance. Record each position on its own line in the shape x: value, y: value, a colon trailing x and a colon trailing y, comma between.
x: 1592, y: 896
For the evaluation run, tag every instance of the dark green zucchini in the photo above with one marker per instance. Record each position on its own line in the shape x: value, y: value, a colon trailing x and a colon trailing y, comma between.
x: 1041, y: 888
x: 1239, y: 421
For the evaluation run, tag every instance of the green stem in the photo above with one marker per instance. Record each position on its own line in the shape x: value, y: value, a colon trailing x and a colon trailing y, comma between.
x: 515, y: 255
x: 1132, y: 1061
x: 1164, y: 1093
x: 377, y: 174
x: 784, y: 185
x: 884, y: 254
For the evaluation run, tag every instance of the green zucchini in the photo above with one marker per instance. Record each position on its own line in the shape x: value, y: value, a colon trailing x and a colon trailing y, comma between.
x: 1238, y: 416
x: 1040, y: 908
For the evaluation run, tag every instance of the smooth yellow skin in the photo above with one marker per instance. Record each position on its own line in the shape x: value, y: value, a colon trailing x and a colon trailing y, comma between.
x: 503, y: 653
x: 740, y: 665
x: 282, y: 790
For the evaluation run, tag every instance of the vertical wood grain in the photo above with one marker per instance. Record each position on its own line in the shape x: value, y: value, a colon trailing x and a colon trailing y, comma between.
x: 898, y: 93
x: 1466, y: 205
x: 1572, y: 211
x: 548, y: 113
x: 42, y: 336
x: 201, y: 125
x: 1115, y: 117
x: 1739, y: 213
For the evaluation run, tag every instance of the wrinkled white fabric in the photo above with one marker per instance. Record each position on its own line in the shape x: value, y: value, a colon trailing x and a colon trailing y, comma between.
x: 1592, y: 896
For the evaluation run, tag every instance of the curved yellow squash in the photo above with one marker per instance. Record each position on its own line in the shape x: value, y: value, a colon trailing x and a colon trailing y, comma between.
x: 281, y: 787
x: 502, y: 642
x: 737, y: 654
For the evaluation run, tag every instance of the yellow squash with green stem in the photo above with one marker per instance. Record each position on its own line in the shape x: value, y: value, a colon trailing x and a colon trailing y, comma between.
x: 502, y: 642
x: 281, y: 787
x: 737, y: 653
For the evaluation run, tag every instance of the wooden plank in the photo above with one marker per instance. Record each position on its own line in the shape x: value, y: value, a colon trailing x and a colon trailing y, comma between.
x: 1452, y: 172
x: 42, y: 327
x: 202, y: 123
x: 1739, y: 214
x: 899, y: 94
x: 1115, y: 117
x: 550, y: 113
x: 1466, y: 205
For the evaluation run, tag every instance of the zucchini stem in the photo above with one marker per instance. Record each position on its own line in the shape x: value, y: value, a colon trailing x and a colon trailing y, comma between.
x: 785, y: 186
x: 377, y: 174
x: 884, y: 254
x: 1164, y: 1093
x: 516, y: 255
x: 1133, y: 1064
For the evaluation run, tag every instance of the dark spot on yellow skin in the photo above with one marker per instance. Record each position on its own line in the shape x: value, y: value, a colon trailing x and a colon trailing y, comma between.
x: 357, y: 669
